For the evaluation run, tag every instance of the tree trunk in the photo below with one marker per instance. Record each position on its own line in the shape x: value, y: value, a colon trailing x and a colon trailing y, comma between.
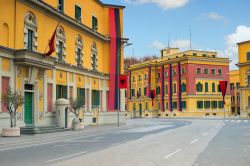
x: 14, y: 120
x: 11, y: 121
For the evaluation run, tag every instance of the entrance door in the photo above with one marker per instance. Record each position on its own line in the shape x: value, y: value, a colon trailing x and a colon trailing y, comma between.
x: 28, y: 108
x: 140, y: 107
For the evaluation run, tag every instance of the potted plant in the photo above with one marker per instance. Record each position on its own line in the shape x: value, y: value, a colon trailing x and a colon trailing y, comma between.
x: 12, y: 101
x: 75, y: 107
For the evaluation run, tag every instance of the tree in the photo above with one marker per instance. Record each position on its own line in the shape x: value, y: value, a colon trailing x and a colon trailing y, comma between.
x: 12, y: 101
x: 76, y: 106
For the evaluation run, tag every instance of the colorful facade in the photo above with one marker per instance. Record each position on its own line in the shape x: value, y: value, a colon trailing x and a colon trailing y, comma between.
x: 89, y: 38
x: 186, y: 85
x: 244, y: 76
x: 234, y: 91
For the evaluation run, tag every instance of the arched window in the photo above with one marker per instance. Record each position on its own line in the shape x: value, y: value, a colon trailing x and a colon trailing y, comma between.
x: 5, y: 34
x: 30, y: 32
x: 199, y: 87
x: 206, y: 87
x: 213, y: 87
x: 60, y: 44
x: 166, y: 88
x: 145, y: 91
x: 94, y: 56
x: 79, y: 51
x: 183, y: 87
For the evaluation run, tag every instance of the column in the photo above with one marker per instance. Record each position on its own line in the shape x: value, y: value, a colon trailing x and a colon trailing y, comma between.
x: 179, y: 86
x: 170, y: 88
x: 162, y: 88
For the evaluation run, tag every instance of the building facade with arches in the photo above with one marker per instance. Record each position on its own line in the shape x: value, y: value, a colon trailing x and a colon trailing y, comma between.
x: 79, y: 68
x: 186, y: 84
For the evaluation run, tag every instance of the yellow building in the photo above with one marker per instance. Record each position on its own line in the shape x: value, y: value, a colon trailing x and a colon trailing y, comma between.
x: 234, y: 91
x: 244, y: 72
x: 89, y: 36
x: 186, y: 84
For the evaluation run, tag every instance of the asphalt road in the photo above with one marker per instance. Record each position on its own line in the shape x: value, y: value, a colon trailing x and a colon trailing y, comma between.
x: 152, y: 142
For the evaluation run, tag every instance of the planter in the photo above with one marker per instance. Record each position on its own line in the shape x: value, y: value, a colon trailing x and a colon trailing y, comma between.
x: 11, y: 132
x: 76, y: 124
x: 81, y: 125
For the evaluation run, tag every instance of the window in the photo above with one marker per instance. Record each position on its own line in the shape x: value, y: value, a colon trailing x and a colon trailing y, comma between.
x: 30, y: 40
x: 61, y: 5
x: 213, y: 71
x: 78, y: 13
x: 206, y: 87
x: 166, y: 74
x: 194, y: 54
x: 166, y: 107
x: 79, y: 48
x: 232, y: 86
x: 183, y: 105
x: 198, y: 71
x: 237, y: 85
x: 139, y: 78
x: 166, y: 88
x: 206, y: 71
x: 232, y: 98
x: 219, y: 90
x: 94, y: 56
x: 60, y: 51
x: 158, y: 75
x: 133, y: 92
x: 145, y: 91
x: 199, y: 87
x: 213, y: 56
x: 206, y: 104
x: 94, y: 23
x: 133, y: 78
x: 248, y: 101
x: 199, y: 104
x: 30, y: 32
x: 5, y: 86
x: 174, y: 72
x: 81, y: 96
x: 174, y: 105
x: 139, y: 91
x: 174, y: 88
x: 213, y: 87
x: 219, y: 71
x: 183, y: 71
x: 95, y: 98
x: 145, y: 76
x: 248, y: 56
x: 183, y: 87
x: 158, y: 90
x: 134, y: 106
x: 146, y: 105
x: 204, y: 55
x: 61, y: 92
x: 214, y: 104
x: 221, y: 104
x: 248, y: 80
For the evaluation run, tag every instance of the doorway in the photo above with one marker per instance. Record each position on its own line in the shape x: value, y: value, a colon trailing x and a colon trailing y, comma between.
x: 28, y: 115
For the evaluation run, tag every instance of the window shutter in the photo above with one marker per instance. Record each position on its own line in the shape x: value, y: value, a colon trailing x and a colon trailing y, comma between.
x: 57, y: 92
x: 65, y: 92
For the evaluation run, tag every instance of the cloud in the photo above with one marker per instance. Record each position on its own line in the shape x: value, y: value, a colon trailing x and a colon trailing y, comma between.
x: 165, y: 4
x: 242, y: 33
x: 213, y: 16
x: 182, y: 44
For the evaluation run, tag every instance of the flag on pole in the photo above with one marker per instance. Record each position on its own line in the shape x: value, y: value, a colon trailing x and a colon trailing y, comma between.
x: 138, y: 94
x: 51, y: 44
x: 223, y: 88
x: 152, y: 96
x: 123, y: 82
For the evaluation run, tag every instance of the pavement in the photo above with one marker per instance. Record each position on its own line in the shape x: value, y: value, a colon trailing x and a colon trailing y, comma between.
x: 142, y: 142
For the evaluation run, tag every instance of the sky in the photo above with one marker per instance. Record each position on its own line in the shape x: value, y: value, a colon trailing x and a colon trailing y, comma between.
x: 214, y: 25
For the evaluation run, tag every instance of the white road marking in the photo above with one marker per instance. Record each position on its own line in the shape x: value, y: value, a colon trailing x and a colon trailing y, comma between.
x: 232, y: 120
x: 171, y: 154
x: 245, y: 121
x: 227, y: 120
x: 72, y: 141
x: 195, y: 140
x: 64, y: 157
x: 205, y: 134
x: 99, y: 138
x: 238, y: 121
x: 118, y: 143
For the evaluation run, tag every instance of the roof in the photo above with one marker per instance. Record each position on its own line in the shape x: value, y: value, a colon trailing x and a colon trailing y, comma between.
x: 247, y: 41
x: 109, y: 5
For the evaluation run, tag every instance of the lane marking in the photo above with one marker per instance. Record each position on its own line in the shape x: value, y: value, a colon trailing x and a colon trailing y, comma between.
x: 118, y: 143
x: 227, y: 120
x: 99, y: 138
x: 72, y: 141
x: 238, y: 121
x: 245, y: 121
x: 232, y: 120
x: 171, y: 154
x: 64, y: 157
x: 195, y: 140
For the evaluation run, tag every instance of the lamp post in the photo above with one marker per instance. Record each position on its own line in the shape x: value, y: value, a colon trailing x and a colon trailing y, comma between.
x: 119, y: 71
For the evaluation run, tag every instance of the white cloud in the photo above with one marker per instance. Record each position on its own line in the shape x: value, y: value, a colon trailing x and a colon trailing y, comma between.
x: 213, y: 16
x: 242, y: 33
x: 165, y: 4
x: 158, y: 45
x: 182, y: 44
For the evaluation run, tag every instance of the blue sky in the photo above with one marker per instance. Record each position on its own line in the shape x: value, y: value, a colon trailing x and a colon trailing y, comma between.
x: 216, y: 25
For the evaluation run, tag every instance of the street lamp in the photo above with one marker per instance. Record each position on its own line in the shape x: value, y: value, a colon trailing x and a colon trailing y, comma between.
x: 119, y: 68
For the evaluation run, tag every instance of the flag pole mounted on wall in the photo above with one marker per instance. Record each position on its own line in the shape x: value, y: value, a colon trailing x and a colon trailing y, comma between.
x: 223, y: 88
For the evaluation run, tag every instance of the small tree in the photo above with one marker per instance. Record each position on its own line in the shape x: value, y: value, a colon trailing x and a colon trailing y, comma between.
x: 12, y: 101
x: 75, y: 107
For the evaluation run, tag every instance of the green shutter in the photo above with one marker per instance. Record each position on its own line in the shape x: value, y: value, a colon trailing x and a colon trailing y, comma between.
x: 65, y: 92
x: 58, y: 91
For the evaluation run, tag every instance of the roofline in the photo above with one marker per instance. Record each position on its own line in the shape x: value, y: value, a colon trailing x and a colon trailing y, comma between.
x: 243, y: 42
x: 109, y: 5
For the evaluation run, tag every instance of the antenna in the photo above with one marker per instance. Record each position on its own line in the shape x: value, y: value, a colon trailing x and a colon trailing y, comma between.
x: 190, y: 38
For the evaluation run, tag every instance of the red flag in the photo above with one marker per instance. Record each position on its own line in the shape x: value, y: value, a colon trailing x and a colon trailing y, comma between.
x: 138, y: 94
x: 51, y: 44
x: 223, y: 88
x: 123, y: 82
x: 152, y: 95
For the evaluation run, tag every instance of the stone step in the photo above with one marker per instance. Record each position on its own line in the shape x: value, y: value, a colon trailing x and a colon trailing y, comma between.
x: 41, y: 129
